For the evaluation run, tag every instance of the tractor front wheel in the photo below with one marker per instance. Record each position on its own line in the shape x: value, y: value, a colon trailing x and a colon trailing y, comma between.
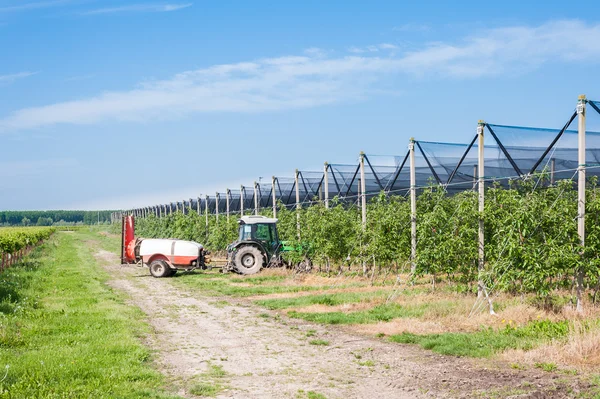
x: 248, y: 260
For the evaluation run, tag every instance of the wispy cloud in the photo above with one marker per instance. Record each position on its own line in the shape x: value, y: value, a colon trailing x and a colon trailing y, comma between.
x: 315, y: 80
x: 15, y: 76
x: 373, y: 48
x: 34, y: 5
x: 138, y: 8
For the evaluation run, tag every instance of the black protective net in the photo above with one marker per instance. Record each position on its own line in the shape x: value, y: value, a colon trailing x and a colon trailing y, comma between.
x: 509, y: 152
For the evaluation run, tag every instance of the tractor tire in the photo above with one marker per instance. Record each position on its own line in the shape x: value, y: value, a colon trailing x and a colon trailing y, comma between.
x: 248, y: 260
x: 159, y: 268
x: 304, y: 266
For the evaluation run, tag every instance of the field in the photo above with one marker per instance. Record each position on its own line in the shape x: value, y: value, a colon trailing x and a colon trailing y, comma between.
x: 75, y: 323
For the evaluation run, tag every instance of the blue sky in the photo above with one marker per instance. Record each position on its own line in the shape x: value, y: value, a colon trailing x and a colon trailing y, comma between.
x: 119, y: 104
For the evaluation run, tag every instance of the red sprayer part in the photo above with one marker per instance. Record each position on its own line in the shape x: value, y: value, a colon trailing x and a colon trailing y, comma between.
x: 127, y: 237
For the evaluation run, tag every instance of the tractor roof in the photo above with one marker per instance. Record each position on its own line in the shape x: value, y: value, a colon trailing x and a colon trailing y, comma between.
x: 254, y: 219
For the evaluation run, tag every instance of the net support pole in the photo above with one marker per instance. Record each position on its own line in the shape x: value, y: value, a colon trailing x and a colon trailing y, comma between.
x: 206, y: 211
x: 481, y: 289
x: 217, y: 198
x: 552, y: 170
x: 242, y: 199
x: 326, y: 183
x: 363, y: 194
x: 481, y: 201
x: 413, y: 207
x: 227, y: 195
x: 474, y: 177
x: 198, y: 209
x: 183, y: 206
x: 274, y: 196
x: 255, y: 198
x: 581, y: 194
x: 296, y: 175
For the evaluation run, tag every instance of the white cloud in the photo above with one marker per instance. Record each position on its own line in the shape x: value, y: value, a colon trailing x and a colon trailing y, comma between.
x: 34, y: 5
x: 312, y: 80
x: 15, y: 76
x: 138, y: 8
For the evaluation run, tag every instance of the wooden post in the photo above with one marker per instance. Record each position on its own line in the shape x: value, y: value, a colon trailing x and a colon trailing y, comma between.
x: 206, y: 210
x: 183, y: 206
x: 227, y: 195
x: 413, y: 207
x: 274, y: 195
x: 481, y: 290
x: 363, y: 193
x: 198, y: 209
x: 217, y: 197
x: 296, y: 183
x: 326, y: 182
x: 581, y: 194
x: 255, y: 198
x: 242, y: 198
x: 481, y: 197
x: 552, y: 170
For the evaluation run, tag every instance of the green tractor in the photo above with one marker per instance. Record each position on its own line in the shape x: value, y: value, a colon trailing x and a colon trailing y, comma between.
x: 258, y: 246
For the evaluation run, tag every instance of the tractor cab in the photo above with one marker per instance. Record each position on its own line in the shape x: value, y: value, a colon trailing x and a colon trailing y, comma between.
x: 261, y: 230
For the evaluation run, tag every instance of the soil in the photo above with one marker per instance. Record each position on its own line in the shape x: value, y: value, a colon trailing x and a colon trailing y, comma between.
x: 267, y: 355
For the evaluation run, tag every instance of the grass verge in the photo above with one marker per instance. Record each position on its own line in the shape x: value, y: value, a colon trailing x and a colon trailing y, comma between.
x: 487, y: 342
x: 384, y: 312
x: 65, y: 334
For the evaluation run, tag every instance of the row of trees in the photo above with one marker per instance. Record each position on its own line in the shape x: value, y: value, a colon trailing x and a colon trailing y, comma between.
x: 49, y: 218
x: 531, y: 242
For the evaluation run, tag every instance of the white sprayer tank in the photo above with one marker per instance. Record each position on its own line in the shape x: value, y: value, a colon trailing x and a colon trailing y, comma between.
x: 178, y: 252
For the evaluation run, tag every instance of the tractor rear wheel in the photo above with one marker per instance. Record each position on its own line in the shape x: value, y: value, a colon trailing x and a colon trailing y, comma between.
x: 159, y: 268
x: 248, y: 260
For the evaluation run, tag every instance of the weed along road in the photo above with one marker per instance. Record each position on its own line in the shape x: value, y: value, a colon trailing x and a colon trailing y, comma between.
x: 226, y: 346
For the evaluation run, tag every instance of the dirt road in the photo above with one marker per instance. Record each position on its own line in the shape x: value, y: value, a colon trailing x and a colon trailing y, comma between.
x: 266, y: 355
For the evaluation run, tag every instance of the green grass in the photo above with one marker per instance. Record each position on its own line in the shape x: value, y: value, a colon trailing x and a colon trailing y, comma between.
x: 322, y: 299
x: 65, y: 334
x: 213, y: 283
x: 319, y: 342
x: 486, y: 342
x: 385, y: 312
x: 206, y: 389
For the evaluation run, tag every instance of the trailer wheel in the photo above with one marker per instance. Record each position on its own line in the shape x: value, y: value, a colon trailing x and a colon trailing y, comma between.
x: 248, y: 260
x: 158, y: 268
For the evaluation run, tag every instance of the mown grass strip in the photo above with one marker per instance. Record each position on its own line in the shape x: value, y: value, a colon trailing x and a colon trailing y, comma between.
x: 385, y: 312
x: 65, y: 334
x: 335, y: 299
x: 227, y: 286
x: 487, y: 342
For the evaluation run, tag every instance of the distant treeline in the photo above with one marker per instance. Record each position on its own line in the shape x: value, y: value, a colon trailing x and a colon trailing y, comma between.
x: 53, y: 218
